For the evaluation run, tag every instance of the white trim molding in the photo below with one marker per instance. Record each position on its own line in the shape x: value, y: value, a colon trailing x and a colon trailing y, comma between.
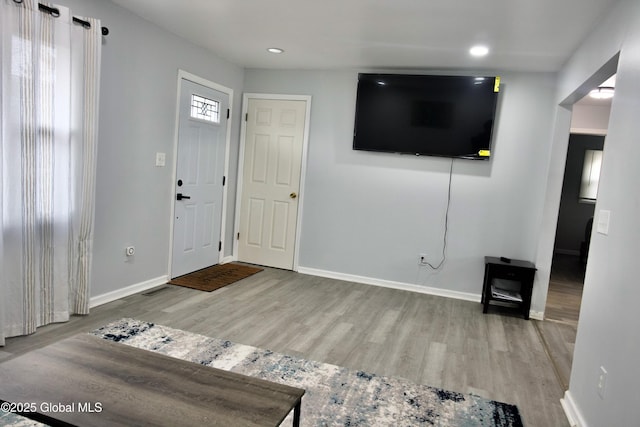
x: 536, y: 315
x: 586, y: 131
x: 227, y: 259
x: 571, y: 411
x: 125, y: 292
x: 391, y: 284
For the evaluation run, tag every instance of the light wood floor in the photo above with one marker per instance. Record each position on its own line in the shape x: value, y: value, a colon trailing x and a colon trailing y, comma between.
x: 565, y: 289
x: 558, y: 331
x: 427, y: 339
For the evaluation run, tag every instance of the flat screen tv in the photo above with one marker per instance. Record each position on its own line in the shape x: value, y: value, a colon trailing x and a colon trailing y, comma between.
x: 450, y: 116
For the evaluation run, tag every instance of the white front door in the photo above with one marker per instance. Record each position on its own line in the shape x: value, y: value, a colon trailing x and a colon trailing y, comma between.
x: 199, y: 178
x: 274, y: 138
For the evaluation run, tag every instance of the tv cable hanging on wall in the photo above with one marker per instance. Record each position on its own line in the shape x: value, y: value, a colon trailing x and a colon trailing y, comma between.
x: 446, y: 226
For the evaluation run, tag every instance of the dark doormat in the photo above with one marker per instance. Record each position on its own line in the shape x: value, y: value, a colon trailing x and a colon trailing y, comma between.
x: 215, y: 277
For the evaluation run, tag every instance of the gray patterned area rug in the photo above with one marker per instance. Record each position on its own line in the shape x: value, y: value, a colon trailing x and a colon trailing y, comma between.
x: 335, y: 396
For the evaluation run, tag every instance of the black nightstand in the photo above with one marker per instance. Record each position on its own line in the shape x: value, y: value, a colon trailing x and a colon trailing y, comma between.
x: 508, y: 283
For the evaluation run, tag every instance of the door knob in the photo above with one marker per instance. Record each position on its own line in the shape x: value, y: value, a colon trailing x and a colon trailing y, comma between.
x: 179, y: 196
x: 293, y: 195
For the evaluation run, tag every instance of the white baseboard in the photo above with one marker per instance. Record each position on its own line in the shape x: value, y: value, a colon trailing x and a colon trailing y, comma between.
x: 390, y: 284
x: 537, y: 315
x: 137, y: 287
x: 466, y: 296
x: 129, y: 290
x: 571, y: 411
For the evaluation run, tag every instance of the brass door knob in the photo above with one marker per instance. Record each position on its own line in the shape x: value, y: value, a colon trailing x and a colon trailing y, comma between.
x: 293, y: 195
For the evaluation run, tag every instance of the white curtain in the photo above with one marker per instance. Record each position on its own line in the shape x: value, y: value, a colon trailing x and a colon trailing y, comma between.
x: 48, y: 116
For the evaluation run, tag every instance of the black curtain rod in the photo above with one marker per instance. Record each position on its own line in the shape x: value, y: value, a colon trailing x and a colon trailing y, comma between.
x: 87, y: 24
x: 56, y: 13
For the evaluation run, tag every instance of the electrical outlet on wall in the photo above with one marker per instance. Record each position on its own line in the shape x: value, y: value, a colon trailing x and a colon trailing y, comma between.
x: 130, y: 250
x: 161, y: 159
x: 422, y: 259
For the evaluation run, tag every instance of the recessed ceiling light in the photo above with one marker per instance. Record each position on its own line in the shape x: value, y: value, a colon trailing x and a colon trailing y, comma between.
x: 479, y: 50
x: 275, y: 50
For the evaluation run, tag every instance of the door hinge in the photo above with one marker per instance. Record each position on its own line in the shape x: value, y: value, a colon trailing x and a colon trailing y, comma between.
x: 224, y: 180
x: 238, y: 236
x: 228, y: 113
x: 246, y: 117
x: 219, y: 246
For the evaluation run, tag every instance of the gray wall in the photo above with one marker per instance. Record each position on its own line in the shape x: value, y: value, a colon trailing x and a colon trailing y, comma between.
x: 140, y: 65
x: 573, y: 215
x: 372, y: 214
x: 607, y: 332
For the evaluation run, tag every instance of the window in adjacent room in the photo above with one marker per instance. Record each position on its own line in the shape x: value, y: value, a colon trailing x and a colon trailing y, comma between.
x: 590, y: 176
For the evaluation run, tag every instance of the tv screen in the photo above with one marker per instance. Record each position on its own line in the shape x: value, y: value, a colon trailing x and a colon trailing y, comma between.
x: 449, y: 116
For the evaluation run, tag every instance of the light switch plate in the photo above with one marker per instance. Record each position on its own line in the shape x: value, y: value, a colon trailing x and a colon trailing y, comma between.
x: 604, y: 217
x: 161, y: 159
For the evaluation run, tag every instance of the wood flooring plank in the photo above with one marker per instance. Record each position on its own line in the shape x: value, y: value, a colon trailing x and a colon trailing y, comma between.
x: 559, y: 339
x: 407, y: 351
x: 187, y: 303
x: 384, y: 325
x: 495, y: 334
x: 434, y: 364
x: 477, y: 355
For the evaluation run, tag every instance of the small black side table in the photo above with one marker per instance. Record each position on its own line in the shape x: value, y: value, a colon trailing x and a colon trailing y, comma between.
x: 516, y: 271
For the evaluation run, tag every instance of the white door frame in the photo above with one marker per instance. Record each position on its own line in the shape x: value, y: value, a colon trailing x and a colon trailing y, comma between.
x: 228, y: 91
x: 303, y: 168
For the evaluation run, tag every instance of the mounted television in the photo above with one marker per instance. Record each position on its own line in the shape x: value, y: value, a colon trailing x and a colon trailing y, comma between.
x: 450, y: 116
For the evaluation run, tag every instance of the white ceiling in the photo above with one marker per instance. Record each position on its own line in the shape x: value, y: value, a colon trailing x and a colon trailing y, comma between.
x: 533, y: 35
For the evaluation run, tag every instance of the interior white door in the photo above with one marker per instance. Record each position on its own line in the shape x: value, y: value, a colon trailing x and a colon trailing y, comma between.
x: 199, y: 183
x: 274, y: 138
